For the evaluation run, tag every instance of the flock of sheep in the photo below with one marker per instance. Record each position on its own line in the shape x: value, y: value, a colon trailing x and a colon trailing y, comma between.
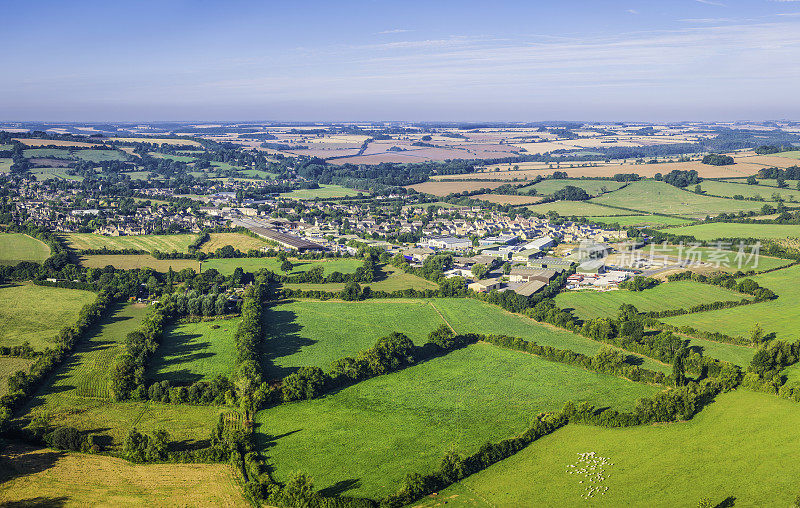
x: 592, y: 467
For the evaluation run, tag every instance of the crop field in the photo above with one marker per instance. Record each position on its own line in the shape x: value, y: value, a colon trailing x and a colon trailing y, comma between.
x: 42, y: 174
x: 324, y: 192
x: 86, y: 372
x: 37, y: 313
x: 16, y: 247
x: 795, y: 154
x: 309, y: 332
x: 458, y: 401
x: 44, y: 477
x: 466, y: 315
x: 577, y: 209
x: 592, y: 187
x: 195, y: 351
x: 641, y: 220
x: 163, y: 243
x: 55, y: 142
x: 780, y: 315
x: 505, y: 199
x: 393, y: 279
x: 739, y: 447
x: 443, y: 188
x: 714, y: 230
x: 728, y: 189
x: 712, y: 258
x: 659, y: 197
x: 160, y: 141
x: 8, y: 366
x: 133, y: 261
x: 236, y: 240
x: 669, y: 295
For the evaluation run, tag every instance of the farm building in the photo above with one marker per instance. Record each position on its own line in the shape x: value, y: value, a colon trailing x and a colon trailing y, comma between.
x: 486, y: 285
x: 525, y: 274
x: 529, y: 288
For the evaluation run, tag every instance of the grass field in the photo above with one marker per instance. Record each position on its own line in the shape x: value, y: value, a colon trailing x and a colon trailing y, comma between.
x: 86, y: 372
x: 670, y: 295
x: 393, y: 279
x: 44, y: 477
x: 130, y: 262
x: 236, y: 240
x: 641, y: 220
x: 659, y: 197
x: 47, y: 153
x: 780, y: 315
x: 592, y: 187
x: 795, y: 154
x: 5, y: 165
x: 728, y: 189
x: 100, y: 155
x: 740, y: 446
x: 177, y: 158
x: 8, y: 366
x: 310, y: 332
x: 37, y: 313
x: 576, y: 208
x: 163, y: 243
x: 195, y: 351
x: 714, y: 230
x: 255, y: 173
x: 160, y: 141
x: 42, y: 174
x: 16, y: 247
x: 715, y: 259
x: 324, y: 191
x: 738, y: 355
x: 350, y: 440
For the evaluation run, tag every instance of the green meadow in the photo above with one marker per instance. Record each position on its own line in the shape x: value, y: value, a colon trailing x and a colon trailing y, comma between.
x: 16, y: 247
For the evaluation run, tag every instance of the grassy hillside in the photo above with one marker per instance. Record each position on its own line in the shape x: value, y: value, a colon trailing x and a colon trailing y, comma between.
x: 577, y: 209
x: 16, y: 247
x: 163, y: 243
x: 592, y: 187
x: 352, y: 438
x: 714, y: 230
x: 740, y: 446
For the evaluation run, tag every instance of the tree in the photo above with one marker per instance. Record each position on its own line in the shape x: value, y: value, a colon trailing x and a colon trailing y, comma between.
x: 751, y: 180
x: 351, y: 292
x: 442, y: 337
x: 678, y: 371
x: 757, y: 334
x: 715, y: 159
x: 299, y: 491
x: 479, y: 270
x: 286, y: 266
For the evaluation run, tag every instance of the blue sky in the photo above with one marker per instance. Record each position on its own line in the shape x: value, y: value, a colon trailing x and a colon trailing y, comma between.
x: 400, y: 60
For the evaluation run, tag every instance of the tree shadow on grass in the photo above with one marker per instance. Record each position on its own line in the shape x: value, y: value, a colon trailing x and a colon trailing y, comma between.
x: 341, y: 487
x: 180, y: 349
x: 18, y: 460
x: 37, y: 502
x: 281, y: 339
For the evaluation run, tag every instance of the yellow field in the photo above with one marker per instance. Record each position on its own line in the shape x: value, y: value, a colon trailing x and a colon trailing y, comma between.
x: 43, y: 477
x: 236, y: 240
x: 160, y: 141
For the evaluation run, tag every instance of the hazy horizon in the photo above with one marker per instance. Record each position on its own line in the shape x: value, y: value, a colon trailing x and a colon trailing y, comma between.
x: 186, y: 61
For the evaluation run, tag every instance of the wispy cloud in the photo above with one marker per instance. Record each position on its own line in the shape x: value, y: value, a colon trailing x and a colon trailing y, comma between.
x: 712, y: 2
x: 394, y: 31
x: 632, y: 11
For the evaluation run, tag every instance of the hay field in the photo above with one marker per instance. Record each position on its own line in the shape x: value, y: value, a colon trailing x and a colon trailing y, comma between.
x: 37, y: 313
x: 739, y: 446
x: 5, y: 165
x: 56, y: 142
x: 714, y: 230
x: 8, y: 366
x: 508, y: 199
x: 442, y: 188
x: 236, y: 240
x: 160, y: 141
x: 592, y: 187
x: 43, y: 477
x: 577, y: 208
x: 641, y: 220
x: 767, y: 193
x: 795, y: 154
x: 163, y: 243
x: 131, y: 262
x: 659, y: 197
x: 323, y: 192
x: 16, y: 247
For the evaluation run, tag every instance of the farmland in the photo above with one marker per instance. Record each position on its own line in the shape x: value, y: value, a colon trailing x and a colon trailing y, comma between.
x: 389, y: 279
x: 196, y: 351
x: 236, y: 240
x: 670, y: 295
x: 133, y: 261
x: 8, y: 366
x: 727, y: 259
x: 640, y: 220
x: 462, y: 400
x: 592, y: 187
x: 443, y: 188
x: 42, y: 477
x: 728, y: 189
x: 308, y: 332
x: 715, y: 230
x: 659, y: 197
x: 779, y: 315
x: 505, y: 199
x: 163, y: 243
x: 16, y: 247
x: 738, y: 447
x: 37, y: 313
x: 577, y: 209
x: 323, y: 192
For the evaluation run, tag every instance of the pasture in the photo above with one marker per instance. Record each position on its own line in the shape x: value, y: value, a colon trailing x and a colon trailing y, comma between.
x: 5, y: 165
x: 640, y: 220
x: 702, y: 258
x: 737, y: 355
x: 506, y: 199
x: 389, y: 279
x: 350, y: 439
x: 592, y: 187
x: 100, y: 155
x: 35, y: 314
x: 43, y: 477
x: 133, y: 261
x: 8, y: 366
x: 42, y: 174
x: 780, y: 315
x: 659, y: 197
x: 794, y: 154
x: 16, y: 247
x: 236, y: 240
x: 47, y: 153
x: 445, y: 187
x: 714, y: 230
x: 195, y: 351
x: 160, y: 141
x: 576, y: 209
x: 309, y: 332
x: 669, y: 295
x: 728, y: 189
x: 740, y: 446
x: 323, y: 192
x: 163, y: 243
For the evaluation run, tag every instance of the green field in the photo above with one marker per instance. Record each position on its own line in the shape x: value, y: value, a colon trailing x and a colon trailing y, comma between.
x: 795, y: 154
x: 324, y: 191
x: 255, y: 173
x: 738, y: 355
x: 641, y: 220
x: 5, y: 165
x: 575, y: 208
x: 37, y: 313
x: 351, y: 439
x: 8, y: 366
x: 592, y: 187
x: 716, y: 259
x: 727, y: 189
x: 42, y: 174
x: 659, y: 197
x: 236, y: 240
x: 310, y: 332
x: 130, y: 262
x: 390, y: 279
x: 780, y: 315
x: 741, y: 446
x: 47, y: 153
x: 177, y: 158
x: 86, y: 372
x: 714, y: 230
x: 100, y: 155
x: 16, y: 247
x: 195, y: 352
x: 163, y: 243
x: 671, y: 295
